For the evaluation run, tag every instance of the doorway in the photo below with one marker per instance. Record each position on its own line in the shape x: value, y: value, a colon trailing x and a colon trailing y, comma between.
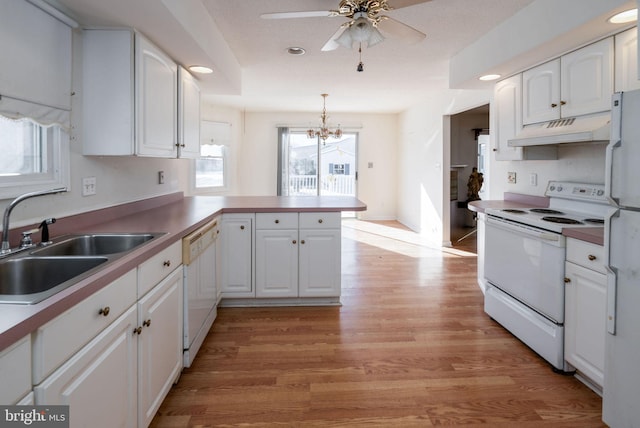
x: 469, y: 145
x: 315, y: 167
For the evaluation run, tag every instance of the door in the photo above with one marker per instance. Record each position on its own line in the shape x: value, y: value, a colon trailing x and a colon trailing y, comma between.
x: 313, y: 167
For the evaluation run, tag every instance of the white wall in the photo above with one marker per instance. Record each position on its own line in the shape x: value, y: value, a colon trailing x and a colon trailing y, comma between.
x: 576, y: 162
x: 257, y: 158
x: 423, y: 159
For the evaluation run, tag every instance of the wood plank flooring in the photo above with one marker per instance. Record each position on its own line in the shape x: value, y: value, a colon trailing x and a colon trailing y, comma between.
x: 409, y: 347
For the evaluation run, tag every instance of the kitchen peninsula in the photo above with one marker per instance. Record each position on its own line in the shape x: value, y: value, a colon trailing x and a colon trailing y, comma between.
x: 174, y: 215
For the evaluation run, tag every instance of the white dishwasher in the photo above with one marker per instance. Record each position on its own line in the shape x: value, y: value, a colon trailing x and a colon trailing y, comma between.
x: 200, y: 291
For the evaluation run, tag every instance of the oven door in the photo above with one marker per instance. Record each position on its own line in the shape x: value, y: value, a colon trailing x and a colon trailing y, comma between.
x: 528, y: 264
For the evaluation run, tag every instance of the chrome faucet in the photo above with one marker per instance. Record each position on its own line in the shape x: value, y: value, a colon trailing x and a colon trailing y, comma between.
x: 6, y: 247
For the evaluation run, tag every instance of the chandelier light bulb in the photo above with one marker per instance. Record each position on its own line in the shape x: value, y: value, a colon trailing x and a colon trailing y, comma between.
x: 323, y: 130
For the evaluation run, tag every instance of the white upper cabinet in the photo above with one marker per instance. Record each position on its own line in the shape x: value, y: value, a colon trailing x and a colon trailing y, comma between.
x: 541, y: 93
x: 627, y: 61
x: 507, y: 114
x: 129, y: 96
x: 188, y: 115
x: 578, y: 83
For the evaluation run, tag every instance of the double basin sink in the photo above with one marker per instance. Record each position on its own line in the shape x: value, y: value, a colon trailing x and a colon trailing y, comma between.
x: 35, y: 274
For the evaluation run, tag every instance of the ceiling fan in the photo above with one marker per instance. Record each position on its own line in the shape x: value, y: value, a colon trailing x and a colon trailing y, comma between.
x: 366, y: 23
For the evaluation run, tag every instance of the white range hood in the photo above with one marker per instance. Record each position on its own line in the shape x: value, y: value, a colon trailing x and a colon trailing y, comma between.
x: 583, y: 129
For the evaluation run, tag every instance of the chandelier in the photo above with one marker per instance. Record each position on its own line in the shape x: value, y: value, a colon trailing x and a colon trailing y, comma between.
x: 324, y: 132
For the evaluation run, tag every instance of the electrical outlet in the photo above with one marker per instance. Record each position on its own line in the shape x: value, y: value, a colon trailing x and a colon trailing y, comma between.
x: 533, y: 179
x: 511, y: 177
x: 88, y: 186
x: 160, y: 177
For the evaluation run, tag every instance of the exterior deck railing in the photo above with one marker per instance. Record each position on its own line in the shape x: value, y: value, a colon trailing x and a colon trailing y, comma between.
x: 329, y: 184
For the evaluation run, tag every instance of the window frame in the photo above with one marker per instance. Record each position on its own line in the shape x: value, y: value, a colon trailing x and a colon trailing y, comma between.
x: 57, y: 172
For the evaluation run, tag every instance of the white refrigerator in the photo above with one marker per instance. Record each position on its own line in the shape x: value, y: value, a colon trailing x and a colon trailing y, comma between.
x: 621, y: 391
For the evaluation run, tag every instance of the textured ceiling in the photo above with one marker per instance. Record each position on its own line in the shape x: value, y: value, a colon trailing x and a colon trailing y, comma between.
x: 396, y: 75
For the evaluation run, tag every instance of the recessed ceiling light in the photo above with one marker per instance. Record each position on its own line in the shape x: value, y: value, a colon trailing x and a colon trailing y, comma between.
x: 627, y: 16
x: 200, y: 69
x: 488, y: 77
x: 295, y: 50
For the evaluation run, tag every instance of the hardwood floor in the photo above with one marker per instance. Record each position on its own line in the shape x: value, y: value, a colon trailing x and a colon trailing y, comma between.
x: 410, y: 347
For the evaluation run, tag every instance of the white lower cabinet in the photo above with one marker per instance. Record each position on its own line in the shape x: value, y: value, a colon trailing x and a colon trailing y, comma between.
x: 159, y: 344
x: 236, y: 247
x: 298, y: 255
x: 98, y: 382
x: 585, y: 309
x: 15, y: 372
x: 119, y: 375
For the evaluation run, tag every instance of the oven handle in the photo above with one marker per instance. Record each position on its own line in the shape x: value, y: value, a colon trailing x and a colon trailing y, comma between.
x: 523, y: 229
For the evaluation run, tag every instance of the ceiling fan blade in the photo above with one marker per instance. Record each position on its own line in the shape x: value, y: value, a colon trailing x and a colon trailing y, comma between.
x: 400, y: 31
x: 398, y: 4
x: 307, y: 14
x: 331, y: 44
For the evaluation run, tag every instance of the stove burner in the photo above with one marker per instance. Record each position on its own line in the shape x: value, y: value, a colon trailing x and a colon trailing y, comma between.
x: 545, y: 211
x: 563, y: 220
x: 514, y: 211
x: 594, y: 220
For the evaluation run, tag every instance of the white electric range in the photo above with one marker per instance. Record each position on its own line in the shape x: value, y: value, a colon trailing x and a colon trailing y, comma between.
x: 524, y: 264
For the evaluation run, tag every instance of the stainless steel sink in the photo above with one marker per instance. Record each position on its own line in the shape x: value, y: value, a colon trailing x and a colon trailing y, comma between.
x: 95, y: 244
x: 31, y: 276
x: 31, y: 279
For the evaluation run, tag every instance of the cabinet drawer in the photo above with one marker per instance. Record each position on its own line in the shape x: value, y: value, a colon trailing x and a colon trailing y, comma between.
x: 15, y: 371
x: 276, y: 220
x: 586, y: 254
x: 323, y: 220
x: 154, y: 270
x: 61, y: 337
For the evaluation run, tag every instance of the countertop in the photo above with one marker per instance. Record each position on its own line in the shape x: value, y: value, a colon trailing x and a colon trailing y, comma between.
x: 174, y: 215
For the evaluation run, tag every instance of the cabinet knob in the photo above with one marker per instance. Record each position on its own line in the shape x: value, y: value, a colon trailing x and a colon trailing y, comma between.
x: 591, y: 257
x: 146, y: 323
x: 563, y: 103
x: 319, y: 220
x: 166, y: 263
x: 277, y: 221
x: 302, y: 242
x: 137, y: 330
x: 242, y: 227
x: 567, y: 280
x: 495, y: 150
x: 104, y: 311
x: 294, y: 241
x: 554, y: 105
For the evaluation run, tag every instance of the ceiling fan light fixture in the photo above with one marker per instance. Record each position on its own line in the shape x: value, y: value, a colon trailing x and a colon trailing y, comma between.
x: 361, y: 31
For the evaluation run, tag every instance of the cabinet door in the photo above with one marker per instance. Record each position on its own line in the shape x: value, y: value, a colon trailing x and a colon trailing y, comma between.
x: 507, y: 108
x: 277, y: 263
x: 189, y: 116
x: 156, y: 101
x: 98, y: 382
x: 541, y: 93
x: 626, y: 57
x: 15, y: 371
x: 587, y: 79
x: 236, y: 253
x: 585, y: 320
x: 319, y: 263
x: 159, y: 344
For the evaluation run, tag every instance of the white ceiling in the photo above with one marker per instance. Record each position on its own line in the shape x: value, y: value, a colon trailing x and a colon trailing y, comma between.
x: 396, y: 76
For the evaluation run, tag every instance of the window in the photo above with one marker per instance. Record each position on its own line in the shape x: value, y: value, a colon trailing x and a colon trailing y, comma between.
x: 32, y: 157
x: 210, y: 168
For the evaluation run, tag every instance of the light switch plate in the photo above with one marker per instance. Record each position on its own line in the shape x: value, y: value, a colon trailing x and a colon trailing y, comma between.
x: 88, y: 186
x: 511, y: 177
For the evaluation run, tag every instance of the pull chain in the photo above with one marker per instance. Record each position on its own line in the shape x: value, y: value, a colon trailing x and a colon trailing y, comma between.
x: 360, y: 65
